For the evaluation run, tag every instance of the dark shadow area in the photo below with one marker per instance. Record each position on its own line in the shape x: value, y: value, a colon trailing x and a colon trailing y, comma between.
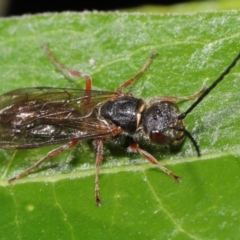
x: 20, y: 7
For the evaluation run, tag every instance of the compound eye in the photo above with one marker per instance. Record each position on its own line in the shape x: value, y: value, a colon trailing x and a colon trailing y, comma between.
x: 159, y: 138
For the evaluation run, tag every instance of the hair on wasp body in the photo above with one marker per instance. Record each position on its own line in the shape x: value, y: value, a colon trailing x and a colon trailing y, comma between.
x: 41, y: 116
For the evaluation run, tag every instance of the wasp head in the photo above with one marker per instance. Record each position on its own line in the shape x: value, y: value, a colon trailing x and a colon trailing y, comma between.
x: 161, y: 123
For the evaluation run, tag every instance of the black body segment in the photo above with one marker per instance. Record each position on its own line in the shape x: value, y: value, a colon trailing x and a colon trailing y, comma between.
x: 159, y: 123
x: 123, y: 112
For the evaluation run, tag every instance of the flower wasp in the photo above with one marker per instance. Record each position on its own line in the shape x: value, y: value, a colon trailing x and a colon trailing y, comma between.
x: 41, y: 116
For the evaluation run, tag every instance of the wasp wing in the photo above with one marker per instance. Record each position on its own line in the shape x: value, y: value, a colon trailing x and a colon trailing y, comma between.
x: 34, y: 117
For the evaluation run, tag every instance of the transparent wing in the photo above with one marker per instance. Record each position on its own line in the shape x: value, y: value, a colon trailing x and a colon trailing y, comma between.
x: 34, y: 117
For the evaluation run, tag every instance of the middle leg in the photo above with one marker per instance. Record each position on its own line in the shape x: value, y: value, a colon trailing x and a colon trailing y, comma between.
x: 130, y: 81
x: 99, y: 157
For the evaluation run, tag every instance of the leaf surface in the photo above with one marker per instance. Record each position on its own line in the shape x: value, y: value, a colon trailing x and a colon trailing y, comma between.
x: 139, y: 201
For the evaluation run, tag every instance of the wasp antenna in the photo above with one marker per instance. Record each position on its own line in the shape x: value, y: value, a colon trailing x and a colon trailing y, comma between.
x: 209, y: 89
x: 189, y: 135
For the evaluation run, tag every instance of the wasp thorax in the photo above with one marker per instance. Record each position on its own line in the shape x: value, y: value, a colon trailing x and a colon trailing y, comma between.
x: 159, y: 122
x: 124, y: 112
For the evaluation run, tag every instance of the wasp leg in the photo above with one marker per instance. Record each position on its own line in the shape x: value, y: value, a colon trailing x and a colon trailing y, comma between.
x: 135, y: 148
x: 140, y: 73
x: 99, y: 157
x: 67, y: 72
x: 178, y: 99
x: 51, y: 154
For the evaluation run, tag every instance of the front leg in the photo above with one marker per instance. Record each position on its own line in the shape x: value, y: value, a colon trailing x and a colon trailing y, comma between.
x: 134, y: 147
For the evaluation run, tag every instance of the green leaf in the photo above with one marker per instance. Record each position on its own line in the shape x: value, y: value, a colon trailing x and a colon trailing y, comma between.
x: 139, y: 201
x: 190, y: 6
